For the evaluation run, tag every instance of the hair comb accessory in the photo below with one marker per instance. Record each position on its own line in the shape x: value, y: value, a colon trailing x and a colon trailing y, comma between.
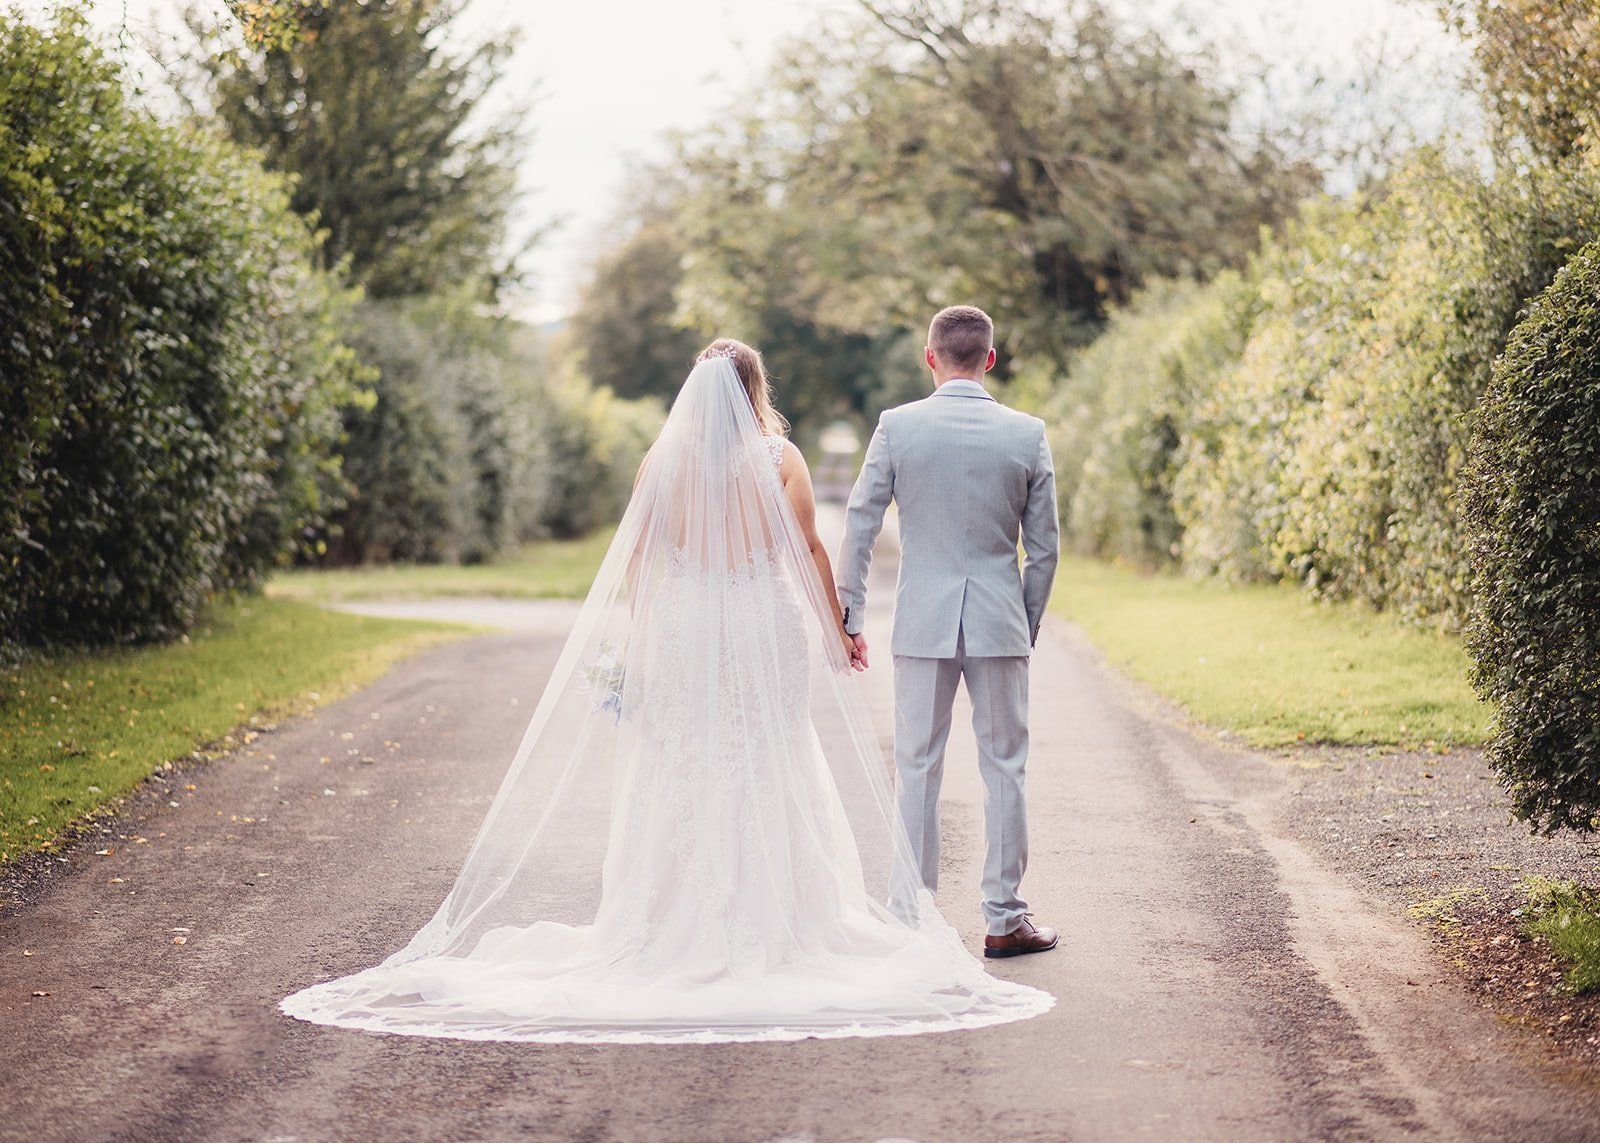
x: 727, y: 351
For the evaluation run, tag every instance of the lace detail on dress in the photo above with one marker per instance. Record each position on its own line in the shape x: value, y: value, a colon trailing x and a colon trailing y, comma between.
x: 723, y: 870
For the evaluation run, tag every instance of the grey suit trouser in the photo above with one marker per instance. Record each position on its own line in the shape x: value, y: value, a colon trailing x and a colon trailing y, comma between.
x: 998, y: 686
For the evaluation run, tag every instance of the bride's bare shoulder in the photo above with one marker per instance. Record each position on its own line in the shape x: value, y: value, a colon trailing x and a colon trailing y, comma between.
x: 788, y: 456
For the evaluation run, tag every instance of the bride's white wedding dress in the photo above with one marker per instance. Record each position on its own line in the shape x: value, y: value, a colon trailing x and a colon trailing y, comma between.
x: 677, y: 855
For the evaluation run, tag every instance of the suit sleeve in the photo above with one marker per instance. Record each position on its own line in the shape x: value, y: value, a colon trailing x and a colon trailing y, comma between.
x: 869, y: 500
x: 1041, y: 538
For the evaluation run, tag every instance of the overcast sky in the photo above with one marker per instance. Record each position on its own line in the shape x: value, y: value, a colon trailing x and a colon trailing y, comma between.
x: 610, y: 78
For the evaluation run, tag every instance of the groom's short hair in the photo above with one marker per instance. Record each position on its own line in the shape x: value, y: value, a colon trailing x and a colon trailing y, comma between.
x: 962, y: 337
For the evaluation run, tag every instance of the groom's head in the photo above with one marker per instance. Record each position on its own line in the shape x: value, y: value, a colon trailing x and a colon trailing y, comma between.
x: 960, y: 344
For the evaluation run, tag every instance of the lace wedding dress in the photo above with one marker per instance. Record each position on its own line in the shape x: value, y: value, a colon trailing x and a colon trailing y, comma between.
x: 677, y: 854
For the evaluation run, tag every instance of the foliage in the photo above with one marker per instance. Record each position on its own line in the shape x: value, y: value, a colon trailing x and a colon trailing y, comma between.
x: 1371, y: 477
x: 592, y: 445
x: 1044, y: 163
x: 742, y: 278
x: 1124, y: 408
x: 1567, y: 915
x: 1532, y: 514
x: 375, y: 113
x: 1264, y: 662
x: 79, y: 731
x: 1310, y: 418
x: 626, y: 330
x: 273, y: 24
x: 1540, y: 61
x: 474, y: 443
x: 1228, y: 491
x: 173, y: 362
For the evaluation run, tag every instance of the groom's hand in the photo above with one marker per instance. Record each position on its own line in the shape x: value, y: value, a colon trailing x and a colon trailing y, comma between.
x: 858, y: 656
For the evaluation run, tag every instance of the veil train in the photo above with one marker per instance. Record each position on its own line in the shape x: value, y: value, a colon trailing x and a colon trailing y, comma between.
x: 697, y: 839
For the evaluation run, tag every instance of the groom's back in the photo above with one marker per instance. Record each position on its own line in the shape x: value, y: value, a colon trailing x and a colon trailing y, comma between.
x: 964, y: 467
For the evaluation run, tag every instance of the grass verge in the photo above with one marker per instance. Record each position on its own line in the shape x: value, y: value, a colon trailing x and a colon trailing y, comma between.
x: 1269, y: 664
x: 1567, y: 915
x: 78, y: 731
x: 544, y: 569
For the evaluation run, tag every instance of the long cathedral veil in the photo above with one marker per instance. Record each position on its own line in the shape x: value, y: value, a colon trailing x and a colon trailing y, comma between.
x: 697, y: 838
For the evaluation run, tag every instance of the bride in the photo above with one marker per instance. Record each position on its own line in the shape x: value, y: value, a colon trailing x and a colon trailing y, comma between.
x: 696, y: 840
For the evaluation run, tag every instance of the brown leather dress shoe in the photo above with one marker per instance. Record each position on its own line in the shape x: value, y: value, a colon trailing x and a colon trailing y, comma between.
x: 1025, y: 938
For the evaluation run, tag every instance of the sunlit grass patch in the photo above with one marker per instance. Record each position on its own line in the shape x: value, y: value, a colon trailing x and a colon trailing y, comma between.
x: 78, y: 731
x: 1273, y: 666
x: 1567, y: 915
x: 544, y: 569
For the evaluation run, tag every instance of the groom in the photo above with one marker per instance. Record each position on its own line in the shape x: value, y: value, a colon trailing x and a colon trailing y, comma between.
x: 969, y: 477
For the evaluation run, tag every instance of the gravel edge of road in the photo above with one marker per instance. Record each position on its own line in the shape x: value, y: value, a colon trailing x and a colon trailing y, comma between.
x: 1458, y: 872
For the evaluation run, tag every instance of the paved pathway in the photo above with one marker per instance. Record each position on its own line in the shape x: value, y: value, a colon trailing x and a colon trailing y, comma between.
x: 1214, y: 981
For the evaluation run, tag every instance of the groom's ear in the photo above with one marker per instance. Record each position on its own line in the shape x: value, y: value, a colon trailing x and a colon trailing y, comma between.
x: 927, y: 356
x: 989, y: 361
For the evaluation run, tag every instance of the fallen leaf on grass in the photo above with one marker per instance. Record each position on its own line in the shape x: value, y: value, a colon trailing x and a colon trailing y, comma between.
x: 180, y: 940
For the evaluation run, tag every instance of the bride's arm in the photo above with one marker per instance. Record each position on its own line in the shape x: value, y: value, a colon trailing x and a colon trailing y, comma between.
x: 796, y: 478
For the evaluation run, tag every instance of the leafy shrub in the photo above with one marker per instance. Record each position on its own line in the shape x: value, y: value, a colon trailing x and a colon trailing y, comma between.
x: 593, y: 442
x: 1309, y: 420
x: 474, y: 443
x: 1532, y: 514
x: 1229, y: 492
x: 1567, y: 915
x: 1424, y: 288
x: 1125, y: 407
x: 172, y: 363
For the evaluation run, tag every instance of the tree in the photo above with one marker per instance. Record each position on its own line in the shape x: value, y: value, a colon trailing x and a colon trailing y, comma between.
x: 1541, y: 67
x: 626, y: 330
x: 1044, y: 164
x: 371, y: 109
x: 273, y: 23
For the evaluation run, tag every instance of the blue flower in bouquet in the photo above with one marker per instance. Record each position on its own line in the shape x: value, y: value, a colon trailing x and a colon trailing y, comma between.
x: 604, y: 676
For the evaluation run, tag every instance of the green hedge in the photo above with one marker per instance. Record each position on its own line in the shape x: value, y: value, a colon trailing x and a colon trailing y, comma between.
x: 174, y: 373
x: 1122, y: 416
x: 1309, y: 420
x: 1371, y: 477
x: 1532, y: 509
x: 475, y: 443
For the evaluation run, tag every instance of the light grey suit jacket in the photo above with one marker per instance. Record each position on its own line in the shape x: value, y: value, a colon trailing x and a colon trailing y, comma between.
x: 969, y: 476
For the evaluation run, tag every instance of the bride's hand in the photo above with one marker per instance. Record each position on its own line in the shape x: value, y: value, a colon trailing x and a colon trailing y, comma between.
x: 855, y: 650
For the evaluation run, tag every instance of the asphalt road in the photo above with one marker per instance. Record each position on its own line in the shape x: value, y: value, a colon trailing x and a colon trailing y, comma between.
x: 1214, y: 980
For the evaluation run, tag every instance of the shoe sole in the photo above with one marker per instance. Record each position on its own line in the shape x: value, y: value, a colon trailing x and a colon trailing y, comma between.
x: 999, y: 954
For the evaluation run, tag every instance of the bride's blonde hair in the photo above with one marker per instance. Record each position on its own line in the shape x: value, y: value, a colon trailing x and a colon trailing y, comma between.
x: 753, y: 375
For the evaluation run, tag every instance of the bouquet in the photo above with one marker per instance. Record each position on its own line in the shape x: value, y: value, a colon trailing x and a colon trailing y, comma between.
x: 604, y: 677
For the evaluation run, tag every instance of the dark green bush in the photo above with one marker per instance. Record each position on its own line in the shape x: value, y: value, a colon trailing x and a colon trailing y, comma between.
x: 1532, y: 513
x: 171, y: 363
x: 474, y: 442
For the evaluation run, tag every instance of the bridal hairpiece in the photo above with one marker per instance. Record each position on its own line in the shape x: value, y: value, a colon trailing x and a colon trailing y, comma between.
x: 727, y: 351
